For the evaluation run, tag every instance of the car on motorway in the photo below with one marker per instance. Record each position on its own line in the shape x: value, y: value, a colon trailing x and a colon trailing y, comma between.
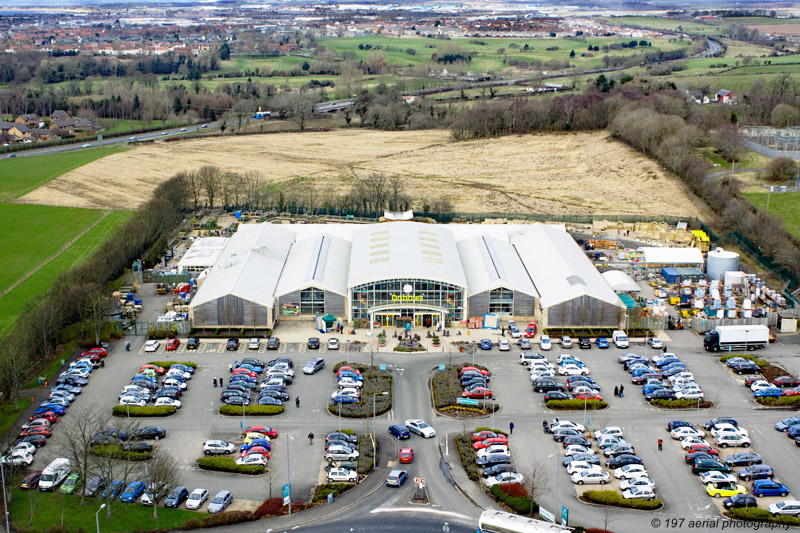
x: 769, y: 487
x: 406, y: 455
x: 151, y: 346
x: 420, y: 428
x: 220, y: 501
x: 396, y: 478
x: 724, y: 490
x: 197, y: 498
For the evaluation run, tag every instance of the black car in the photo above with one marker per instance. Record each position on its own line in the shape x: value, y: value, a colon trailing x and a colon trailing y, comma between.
x: 36, y: 440
x: 707, y: 465
x: 468, y: 384
x: 104, y: 440
x: 273, y: 343
x: 73, y: 380
x: 581, y: 441
x: 313, y: 343
x: 557, y: 395
x: 758, y: 471
x: 253, y: 362
x: 140, y: 446
x: 561, y: 434
x: 341, y: 436
x: 659, y: 394
x: 274, y: 394
x: 740, y: 500
x: 584, y: 343
x: 492, y: 459
x: 721, y: 420
x: 95, y: 485
x: 690, y: 457
x: 640, y: 379
x: 166, y: 392
x: 622, y: 460
x: 114, y: 432
x: 237, y: 400
x: 232, y: 345
x: 280, y: 388
x: 239, y: 387
x: 590, y: 458
x: 193, y: 343
x: 743, y: 459
x: 746, y: 368
x: 150, y: 432
x: 497, y: 469
x: 677, y: 424
x: 547, y: 384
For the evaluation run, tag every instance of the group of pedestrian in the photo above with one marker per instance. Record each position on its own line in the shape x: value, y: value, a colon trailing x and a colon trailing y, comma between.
x: 619, y: 391
x: 221, y: 382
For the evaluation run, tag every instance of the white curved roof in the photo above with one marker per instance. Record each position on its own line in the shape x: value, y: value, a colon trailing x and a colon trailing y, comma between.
x: 404, y: 250
x: 672, y: 256
x: 321, y: 262
x: 490, y: 263
x: 620, y: 281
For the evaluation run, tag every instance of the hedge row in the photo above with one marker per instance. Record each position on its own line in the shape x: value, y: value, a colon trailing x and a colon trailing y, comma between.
x: 591, y: 405
x: 167, y: 364
x: 251, y: 410
x: 228, y: 464
x: 754, y: 513
x: 162, y: 333
x: 321, y: 491
x: 147, y: 410
x: 366, y: 455
x: 115, y: 451
x: 467, y: 456
x: 753, y: 358
x: 521, y: 505
x: 780, y: 401
x: 681, y: 404
x: 615, y: 499
x: 220, y: 519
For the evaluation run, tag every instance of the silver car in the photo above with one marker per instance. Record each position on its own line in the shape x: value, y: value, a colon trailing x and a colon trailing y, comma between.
x: 222, y: 500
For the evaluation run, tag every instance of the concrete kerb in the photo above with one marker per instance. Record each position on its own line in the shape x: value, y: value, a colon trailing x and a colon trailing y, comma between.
x: 464, y: 492
x: 446, y: 415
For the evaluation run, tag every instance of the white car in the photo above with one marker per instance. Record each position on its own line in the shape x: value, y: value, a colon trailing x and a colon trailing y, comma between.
x: 566, y: 342
x: 573, y: 370
x: 580, y: 466
x: 504, y: 477
x: 685, y: 431
x: 785, y: 507
x: 688, y: 442
x: 282, y: 367
x: 715, y: 476
x: 638, y: 493
x: 420, y: 428
x: 333, y: 344
x: 24, y: 446
x: 690, y: 394
x: 342, y: 475
x: 346, y: 392
x: 606, y: 442
x: 761, y: 384
x: 728, y: 429
x: 151, y: 346
x: 253, y: 459
x: 564, y: 356
x: 686, y: 375
x: 566, y: 424
x: 218, y: 447
x: 637, y: 482
x: 656, y: 343
x: 608, y: 431
x: 630, y: 471
x: 590, y: 477
x: 723, y: 441
x: 175, y: 382
x: 545, y: 343
x: 254, y: 344
x: 18, y: 457
x: 131, y: 400
x: 542, y: 374
x: 197, y: 498
x: 350, y: 383
x: 504, y: 345
x: 168, y: 402
x: 574, y: 449
x: 500, y: 449
x: 77, y: 371
x: 135, y: 388
x: 178, y: 372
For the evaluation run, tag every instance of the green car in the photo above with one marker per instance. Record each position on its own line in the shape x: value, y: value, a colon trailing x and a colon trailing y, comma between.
x: 68, y: 487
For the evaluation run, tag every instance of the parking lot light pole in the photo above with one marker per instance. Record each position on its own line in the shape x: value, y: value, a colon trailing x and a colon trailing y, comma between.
x: 97, y: 517
x: 5, y: 502
x: 289, y: 440
x: 374, y: 418
x: 340, y: 415
x: 555, y: 494
x: 585, y: 422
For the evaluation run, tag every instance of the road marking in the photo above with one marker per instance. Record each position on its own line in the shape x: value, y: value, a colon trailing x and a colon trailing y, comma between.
x: 420, y: 510
x: 220, y: 348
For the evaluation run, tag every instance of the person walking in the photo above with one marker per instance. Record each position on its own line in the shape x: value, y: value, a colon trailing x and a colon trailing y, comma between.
x: 215, y: 383
x: 544, y: 425
x: 503, y: 331
x: 311, y: 439
x: 511, y: 428
x: 621, y: 391
x: 297, y: 401
x: 616, y: 391
x: 660, y: 444
x: 221, y: 383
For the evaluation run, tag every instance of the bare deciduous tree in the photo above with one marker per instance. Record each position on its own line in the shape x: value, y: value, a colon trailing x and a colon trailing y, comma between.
x: 99, y: 306
x: 210, y: 179
x: 161, y: 474
x: 75, y: 438
x: 538, y: 479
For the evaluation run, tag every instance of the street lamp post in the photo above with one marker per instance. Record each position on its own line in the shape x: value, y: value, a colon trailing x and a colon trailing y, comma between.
x: 585, y: 422
x: 97, y: 517
x: 340, y: 415
x: 5, y: 502
x: 289, y: 470
x: 555, y: 494
x: 374, y: 419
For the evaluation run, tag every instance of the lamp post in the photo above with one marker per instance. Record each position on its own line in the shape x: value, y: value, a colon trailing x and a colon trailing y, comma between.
x: 5, y: 502
x: 585, y: 422
x: 555, y: 494
x: 698, y: 410
x: 374, y: 418
x: 243, y: 424
x: 289, y: 470
x: 340, y: 415
x: 97, y: 517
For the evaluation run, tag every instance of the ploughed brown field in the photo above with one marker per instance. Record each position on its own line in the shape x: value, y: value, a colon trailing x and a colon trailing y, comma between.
x: 560, y: 173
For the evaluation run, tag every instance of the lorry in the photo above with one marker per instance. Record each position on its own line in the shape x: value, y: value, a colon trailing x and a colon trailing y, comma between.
x: 727, y: 338
x: 619, y: 338
x: 54, y: 474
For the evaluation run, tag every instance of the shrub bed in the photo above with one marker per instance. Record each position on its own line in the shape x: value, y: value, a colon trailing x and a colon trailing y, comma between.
x: 565, y: 405
x: 321, y: 491
x: 221, y: 519
x: 275, y: 507
x: 762, y: 515
x: 115, y: 451
x: 615, y: 499
x: 251, y: 410
x: 520, y: 504
x: 753, y: 358
x: 375, y: 382
x: 366, y: 456
x: 446, y: 388
x: 467, y: 456
x: 224, y: 333
x: 148, y: 410
x: 167, y: 364
x: 682, y: 404
x: 228, y: 464
x: 782, y: 401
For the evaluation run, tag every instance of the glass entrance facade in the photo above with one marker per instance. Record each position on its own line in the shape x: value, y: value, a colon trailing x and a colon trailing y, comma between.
x: 407, y: 299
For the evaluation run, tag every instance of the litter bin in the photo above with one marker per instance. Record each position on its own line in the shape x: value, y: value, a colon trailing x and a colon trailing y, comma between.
x: 330, y: 498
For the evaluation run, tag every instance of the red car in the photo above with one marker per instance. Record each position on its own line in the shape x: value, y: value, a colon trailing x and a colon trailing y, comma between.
x: 244, y: 371
x: 586, y: 395
x: 749, y: 380
x: 530, y: 331
x: 481, y: 435
x: 49, y: 415
x: 343, y: 368
x: 702, y: 448
x: 792, y: 392
x: 95, y: 351
x: 269, y: 432
x: 172, y: 345
x: 31, y: 481
x: 158, y: 369
x: 36, y: 431
x: 477, y: 392
x: 786, y: 381
x: 406, y: 455
x: 473, y: 369
x: 485, y: 443
x: 259, y: 450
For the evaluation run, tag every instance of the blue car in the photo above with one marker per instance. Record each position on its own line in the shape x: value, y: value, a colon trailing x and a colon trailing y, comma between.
x: 601, y: 342
x: 793, y: 431
x: 666, y: 361
x: 114, y: 490
x: 243, y: 377
x: 350, y: 374
x: 571, y: 361
x: 399, y: 431
x: 674, y: 366
x: 176, y: 496
x: 770, y: 392
x: 486, y: 344
x: 344, y: 398
x: 678, y: 424
x: 256, y: 442
x: 786, y: 423
x: 269, y: 400
x: 650, y: 388
x: 251, y: 368
x: 768, y: 487
x: 57, y: 408
x: 185, y: 368
x: 132, y: 492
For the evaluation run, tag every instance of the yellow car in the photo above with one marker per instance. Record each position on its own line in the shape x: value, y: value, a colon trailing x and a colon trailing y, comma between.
x: 253, y: 436
x: 724, y: 490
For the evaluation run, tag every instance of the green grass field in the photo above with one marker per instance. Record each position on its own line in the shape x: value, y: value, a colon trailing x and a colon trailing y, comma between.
x: 125, y: 516
x: 785, y: 205
x: 21, y: 175
x: 123, y: 127
x: 10, y: 411
x: 660, y: 23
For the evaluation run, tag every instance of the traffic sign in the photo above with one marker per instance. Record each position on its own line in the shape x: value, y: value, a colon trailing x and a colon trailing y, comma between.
x: 420, y: 481
x: 564, y: 515
x: 466, y: 401
x: 287, y: 494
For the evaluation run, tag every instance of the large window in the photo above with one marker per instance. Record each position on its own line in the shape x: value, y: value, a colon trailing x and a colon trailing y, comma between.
x: 501, y: 302
x: 395, y: 293
x: 312, y: 301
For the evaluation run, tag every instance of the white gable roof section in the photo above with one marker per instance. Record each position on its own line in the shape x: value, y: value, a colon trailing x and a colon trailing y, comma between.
x: 490, y: 263
x: 321, y: 262
x: 672, y: 256
x: 559, y: 268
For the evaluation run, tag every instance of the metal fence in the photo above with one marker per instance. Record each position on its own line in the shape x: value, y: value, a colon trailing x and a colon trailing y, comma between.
x: 701, y: 325
x: 773, y: 142
x: 149, y: 276
x: 142, y: 328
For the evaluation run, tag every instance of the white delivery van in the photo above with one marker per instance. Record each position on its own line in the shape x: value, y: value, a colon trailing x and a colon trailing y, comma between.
x: 54, y: 474
x: 619, y: 338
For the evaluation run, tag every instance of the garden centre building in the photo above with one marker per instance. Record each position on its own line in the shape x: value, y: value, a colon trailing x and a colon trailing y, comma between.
x: 397, y: 273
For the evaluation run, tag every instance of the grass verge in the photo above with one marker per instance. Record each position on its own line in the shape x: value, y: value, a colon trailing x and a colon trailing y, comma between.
x: 682, y: 404
x: 446, y: 387
x: 9, y: 414
x: 783, y: 401
x: 376, y: 382
x: 115, y: 451
x: 228, y: 464
x: 321, y: 491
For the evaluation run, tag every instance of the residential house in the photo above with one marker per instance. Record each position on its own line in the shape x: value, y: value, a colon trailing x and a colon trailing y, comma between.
x: 21, y: 132
x: 63, y: 127
x: 725, y: 96
x: 29, y: 119
x: 59, y: 114
x: 43, y: 134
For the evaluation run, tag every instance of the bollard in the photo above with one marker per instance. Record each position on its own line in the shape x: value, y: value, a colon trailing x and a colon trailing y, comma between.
x: 330, y: 498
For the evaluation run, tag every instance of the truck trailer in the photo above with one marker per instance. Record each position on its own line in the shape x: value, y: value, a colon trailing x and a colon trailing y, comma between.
x: 727, y: 338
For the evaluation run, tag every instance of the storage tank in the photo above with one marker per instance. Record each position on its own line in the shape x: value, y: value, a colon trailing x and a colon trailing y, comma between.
x: 721, y: 261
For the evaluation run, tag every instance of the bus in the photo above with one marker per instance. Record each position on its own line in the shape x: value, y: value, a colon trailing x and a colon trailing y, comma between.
x: 499, y: 522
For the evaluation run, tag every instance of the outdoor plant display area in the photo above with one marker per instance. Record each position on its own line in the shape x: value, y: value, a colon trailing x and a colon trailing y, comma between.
x: 363, y: 391
x: 463, y: 391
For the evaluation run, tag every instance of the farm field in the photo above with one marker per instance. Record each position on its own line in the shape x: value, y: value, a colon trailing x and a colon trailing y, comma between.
x: 787, y: 205
x: 660, y: 23
x: 571, y: 173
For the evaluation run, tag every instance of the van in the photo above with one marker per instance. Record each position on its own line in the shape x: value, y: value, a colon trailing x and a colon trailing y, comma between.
x: 54, y: 474
x: 619, y: 338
